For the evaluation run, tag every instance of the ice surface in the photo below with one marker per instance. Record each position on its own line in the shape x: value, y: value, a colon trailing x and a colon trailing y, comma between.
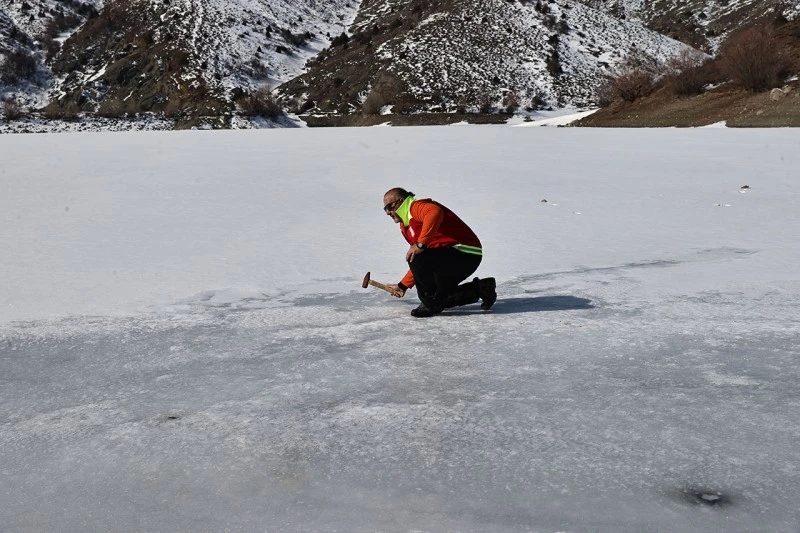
x: 185, y: 345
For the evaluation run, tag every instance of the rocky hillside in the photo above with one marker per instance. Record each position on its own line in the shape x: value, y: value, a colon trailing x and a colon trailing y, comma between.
x: 205, y: 62
x: 491, y: 56
x: 700, y: 23
x: 722, y: 101
x: 726, y: 106
x: 470, y: 55
x: 31, y: 33
x: 194, y: 61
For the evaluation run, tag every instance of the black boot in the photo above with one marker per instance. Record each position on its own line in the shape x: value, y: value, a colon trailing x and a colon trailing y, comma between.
x: 423, y: 311
x: 429, y: 306
x: 464, y: 294
x: 487, y: 290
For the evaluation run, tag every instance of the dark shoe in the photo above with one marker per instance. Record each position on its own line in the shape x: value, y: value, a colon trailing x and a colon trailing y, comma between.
x: 424, y: 311
x: 464, y: 294
x: 487, y: 291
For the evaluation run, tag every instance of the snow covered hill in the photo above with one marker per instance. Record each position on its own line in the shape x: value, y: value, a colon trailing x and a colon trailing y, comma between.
x: 473, y: 55
x: 198, y: 62
x: 30, y: 19
x: 700, y: 23
x: 185, y: 59
x: 31, y: 32
x: 185, y: 345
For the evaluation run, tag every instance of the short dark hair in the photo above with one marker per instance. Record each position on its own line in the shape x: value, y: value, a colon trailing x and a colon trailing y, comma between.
x: 399, y: 191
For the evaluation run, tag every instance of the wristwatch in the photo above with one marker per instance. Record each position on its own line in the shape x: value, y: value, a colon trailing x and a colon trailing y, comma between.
x: 420, y: 246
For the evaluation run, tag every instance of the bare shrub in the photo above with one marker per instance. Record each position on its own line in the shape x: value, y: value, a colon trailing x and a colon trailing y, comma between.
x: 11, y: 110
x: 111, y: 108
x: 554, y: 63
x: 51, y: 49
x: 689, y: 72
x: 511, y: 102
x: 635, y: 79
x: 462, y: 104
x: 262, y: 103
x: 19, y: 65
x: 632, y: 85
x: 485, y: 102
x: 686, y: 59
x: 256, y: 68
x: 640, y: 59
x: 604, y: 93
x: 340, y: 40
x: 68, y: 110
x: 755, y: 58
x: 295, y: 39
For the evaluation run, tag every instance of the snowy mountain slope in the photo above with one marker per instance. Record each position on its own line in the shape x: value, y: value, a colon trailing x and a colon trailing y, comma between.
x: 30, y: 35
x: 7, y: 29
x: 197, y: 62
x: 185, y: 344
x: 188, y: 57
x: 702, y: 24
x: 248, y: 42
x: 31, y: 18
x: 473, y: 54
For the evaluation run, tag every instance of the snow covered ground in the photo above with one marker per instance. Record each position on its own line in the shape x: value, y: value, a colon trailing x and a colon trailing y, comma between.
x: 185, y: 345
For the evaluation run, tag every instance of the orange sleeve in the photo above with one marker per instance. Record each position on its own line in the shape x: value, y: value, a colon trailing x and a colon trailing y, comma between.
x: 431, y: 216
x: 408, y: 279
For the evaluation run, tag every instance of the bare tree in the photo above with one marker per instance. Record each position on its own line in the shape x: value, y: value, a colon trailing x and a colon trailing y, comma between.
x: 263, y: 103
x: 689, y: 72
x: 755, y: 58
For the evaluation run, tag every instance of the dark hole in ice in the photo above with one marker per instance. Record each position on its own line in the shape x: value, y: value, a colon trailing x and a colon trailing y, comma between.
x: 701, y: 496
x: 168, y: 420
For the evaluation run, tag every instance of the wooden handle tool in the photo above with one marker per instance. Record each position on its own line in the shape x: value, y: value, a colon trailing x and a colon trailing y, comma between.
x: 367, y: 282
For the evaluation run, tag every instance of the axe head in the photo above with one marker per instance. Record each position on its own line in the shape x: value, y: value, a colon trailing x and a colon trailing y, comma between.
x: 365, y: 283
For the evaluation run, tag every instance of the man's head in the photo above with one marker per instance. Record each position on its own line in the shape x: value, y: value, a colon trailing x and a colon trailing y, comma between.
x: 393, y: 199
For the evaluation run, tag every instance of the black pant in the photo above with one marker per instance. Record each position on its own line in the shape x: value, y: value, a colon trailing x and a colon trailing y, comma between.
x: 438, y: 271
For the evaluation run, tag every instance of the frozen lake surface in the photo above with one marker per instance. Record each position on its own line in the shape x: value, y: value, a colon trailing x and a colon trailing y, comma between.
x: 185, y: 345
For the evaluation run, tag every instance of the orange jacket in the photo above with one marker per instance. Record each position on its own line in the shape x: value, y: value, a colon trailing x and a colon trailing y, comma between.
x: 435, y: 226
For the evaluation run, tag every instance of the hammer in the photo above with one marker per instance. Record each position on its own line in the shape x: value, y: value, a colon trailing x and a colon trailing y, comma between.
x: 367, y: 282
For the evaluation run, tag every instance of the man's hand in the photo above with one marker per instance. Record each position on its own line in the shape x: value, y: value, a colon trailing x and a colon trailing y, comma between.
x: 395, y: 290
x: 412, y: 252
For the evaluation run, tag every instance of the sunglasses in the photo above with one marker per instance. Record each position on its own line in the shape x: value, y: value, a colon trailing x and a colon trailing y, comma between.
x: 391, y: 206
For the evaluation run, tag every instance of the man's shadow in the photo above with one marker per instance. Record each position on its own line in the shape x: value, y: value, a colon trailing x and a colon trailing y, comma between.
x: 529, y: 305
